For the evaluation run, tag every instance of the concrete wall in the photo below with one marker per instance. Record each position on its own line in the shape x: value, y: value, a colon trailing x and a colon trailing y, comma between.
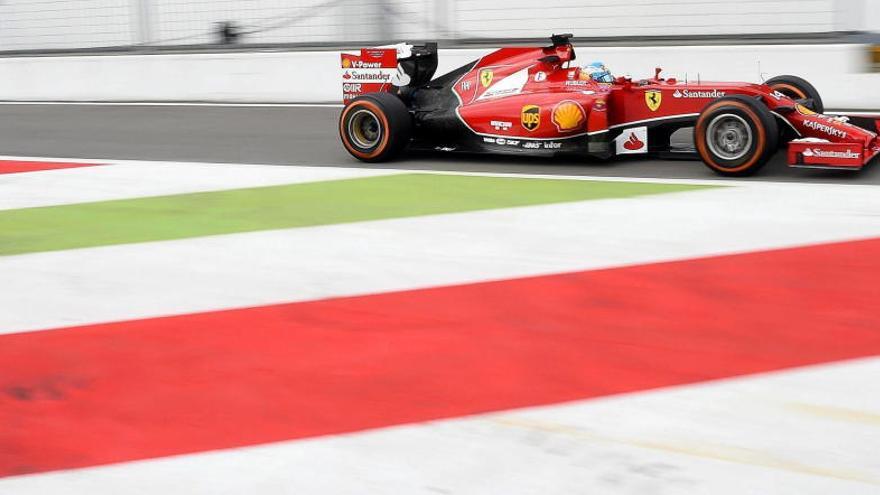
x: 837, y: 70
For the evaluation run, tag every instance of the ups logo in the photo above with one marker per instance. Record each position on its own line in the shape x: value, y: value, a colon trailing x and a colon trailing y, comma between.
x: 531, y: 117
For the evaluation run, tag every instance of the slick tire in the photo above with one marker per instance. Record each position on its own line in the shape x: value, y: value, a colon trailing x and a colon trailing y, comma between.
x: 798, y: 89
x: 375, y: 127
x: 736, y: 136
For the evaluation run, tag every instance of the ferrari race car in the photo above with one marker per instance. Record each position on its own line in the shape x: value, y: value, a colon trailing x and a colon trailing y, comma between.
x: 535, y: 101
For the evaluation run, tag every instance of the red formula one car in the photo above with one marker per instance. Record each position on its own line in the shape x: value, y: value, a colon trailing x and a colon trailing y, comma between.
x: 535, y: 101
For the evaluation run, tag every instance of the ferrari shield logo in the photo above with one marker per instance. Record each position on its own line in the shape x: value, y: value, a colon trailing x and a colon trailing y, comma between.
x: 531, y: 117
x: 486, y: 76
x: 654, y: 99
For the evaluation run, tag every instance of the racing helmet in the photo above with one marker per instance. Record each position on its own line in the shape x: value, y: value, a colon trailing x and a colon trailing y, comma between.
x: 597, y: 71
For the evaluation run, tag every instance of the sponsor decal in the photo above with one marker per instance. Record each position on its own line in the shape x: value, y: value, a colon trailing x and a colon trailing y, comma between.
x: 501, y: 141
x: 698, y: 94
x: 803, y: 110
x: 500, y: 125
x: 578, y: 82
x: 352, y: 87
x: 777, y: 95
x: 486, y: 76
x: 600, y: 106
x: 819, y: 153
x: 381, y: 75
x: 346, y: 63
x: 530, y: 117
x: 537, y: 145
x: 571, y: 74
x: 510, y: 85
x: 653, y: 98
x: 540, y: 77
x: 825, y: 128
x: 632, y: 141
x: 360, y: 64
x: 466, y: 86
x: 568, y: 116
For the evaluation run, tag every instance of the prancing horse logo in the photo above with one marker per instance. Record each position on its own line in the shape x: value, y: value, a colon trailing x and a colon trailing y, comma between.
x: 486, y: 76
x: 654, y: 99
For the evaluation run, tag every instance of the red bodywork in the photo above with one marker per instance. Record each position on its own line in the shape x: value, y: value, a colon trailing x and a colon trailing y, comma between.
x: 535, y: 98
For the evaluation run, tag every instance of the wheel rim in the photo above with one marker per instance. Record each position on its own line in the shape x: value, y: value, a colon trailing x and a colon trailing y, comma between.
x: 365, y: 129
x: 729, y: 137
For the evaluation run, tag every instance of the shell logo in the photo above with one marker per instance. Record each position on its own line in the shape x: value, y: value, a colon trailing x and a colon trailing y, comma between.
x: 804, y: 110
x: 346, y: 63
x: 568, y: 115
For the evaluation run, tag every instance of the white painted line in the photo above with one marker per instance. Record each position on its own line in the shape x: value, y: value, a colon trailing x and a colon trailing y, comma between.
x: 865, y: 113
x: 174, y: 104
x: 54, y: 289
x: 131, y: 179
x: 809, y: 431
x: 720, y: 181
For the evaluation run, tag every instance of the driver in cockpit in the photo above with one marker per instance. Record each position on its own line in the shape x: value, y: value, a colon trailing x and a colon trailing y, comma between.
x: 596, y: 71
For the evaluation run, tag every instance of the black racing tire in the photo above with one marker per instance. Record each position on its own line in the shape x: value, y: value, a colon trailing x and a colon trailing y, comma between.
x: 797, y: 88
x: 736, y: 135
x: 375, y: 127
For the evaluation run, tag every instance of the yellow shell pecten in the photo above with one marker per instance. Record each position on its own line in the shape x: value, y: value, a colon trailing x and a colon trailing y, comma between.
x: 568, y: 115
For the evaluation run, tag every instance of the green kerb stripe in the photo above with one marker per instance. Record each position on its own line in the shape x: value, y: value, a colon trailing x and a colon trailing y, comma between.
x: 296, y: 205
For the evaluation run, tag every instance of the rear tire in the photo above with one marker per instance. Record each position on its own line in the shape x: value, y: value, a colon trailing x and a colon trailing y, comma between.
x: 736, y: 136
x: 375, y: 127
x: 797, y: 88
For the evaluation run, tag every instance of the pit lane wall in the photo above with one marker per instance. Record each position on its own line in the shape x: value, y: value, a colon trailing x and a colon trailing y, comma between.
x: 839, y: 71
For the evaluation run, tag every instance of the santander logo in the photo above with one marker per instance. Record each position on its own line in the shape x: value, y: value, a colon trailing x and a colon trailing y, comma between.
x: 633, y: 144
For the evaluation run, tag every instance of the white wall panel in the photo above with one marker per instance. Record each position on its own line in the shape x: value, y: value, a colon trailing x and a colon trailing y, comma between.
x: 314, y: 76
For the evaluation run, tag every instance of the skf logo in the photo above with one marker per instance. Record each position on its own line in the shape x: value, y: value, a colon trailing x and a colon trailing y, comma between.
x: 568, y: 116
x: 654, y: 99
x: 531, y: 117
x: 486, y: 76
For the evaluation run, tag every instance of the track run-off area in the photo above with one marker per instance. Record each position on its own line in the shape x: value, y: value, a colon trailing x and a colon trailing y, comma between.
x: 181, y: 314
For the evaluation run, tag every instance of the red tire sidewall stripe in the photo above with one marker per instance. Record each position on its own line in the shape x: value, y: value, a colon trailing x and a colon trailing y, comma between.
x: 700, y: 140
x: 383, y: 120
x: 788, y: 87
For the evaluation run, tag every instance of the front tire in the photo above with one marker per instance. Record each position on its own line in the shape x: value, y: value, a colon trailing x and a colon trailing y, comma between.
x: 736, y: 136
x: 797, y: 88
x: 375, y: 127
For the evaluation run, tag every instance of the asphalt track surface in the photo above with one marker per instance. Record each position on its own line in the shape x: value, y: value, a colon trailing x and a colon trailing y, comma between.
x: 294, y: 136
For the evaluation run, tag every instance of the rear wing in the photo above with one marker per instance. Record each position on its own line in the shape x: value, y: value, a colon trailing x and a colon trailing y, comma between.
x: 368, y: 71
x: 387, y: 69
